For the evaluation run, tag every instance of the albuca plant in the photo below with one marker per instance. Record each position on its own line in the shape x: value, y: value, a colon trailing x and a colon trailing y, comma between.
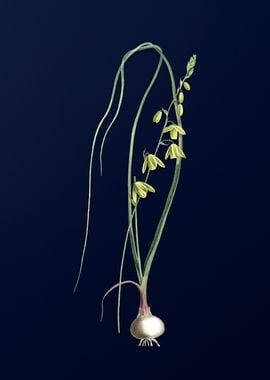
x: 146, y: 327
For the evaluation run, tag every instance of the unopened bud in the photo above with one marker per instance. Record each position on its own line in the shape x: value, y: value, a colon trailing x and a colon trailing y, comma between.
x: 180, y: 110
x: 157, y: 117
x: 187, y: 86
x: 181, y: 97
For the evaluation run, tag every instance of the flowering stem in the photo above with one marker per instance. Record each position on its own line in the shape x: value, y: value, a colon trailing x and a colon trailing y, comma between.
x: 151, y: 253
x: 171, y: 194
x: 137, y: 238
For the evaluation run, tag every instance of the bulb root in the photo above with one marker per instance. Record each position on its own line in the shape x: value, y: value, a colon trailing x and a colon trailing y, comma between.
x: 148, y: 342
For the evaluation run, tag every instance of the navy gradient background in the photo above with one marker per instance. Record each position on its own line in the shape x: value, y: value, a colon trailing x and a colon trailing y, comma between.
x: 209, y: 281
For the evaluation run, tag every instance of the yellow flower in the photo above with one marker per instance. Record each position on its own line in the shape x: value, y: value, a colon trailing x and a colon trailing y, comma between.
x: 141, y: 189
x: 151, y: 161
x: 174, y: 129
x: 174, y: 151
x: 157, y: 117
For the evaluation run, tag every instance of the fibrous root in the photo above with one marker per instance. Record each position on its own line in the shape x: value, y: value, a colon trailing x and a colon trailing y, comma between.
x: 148, y: 342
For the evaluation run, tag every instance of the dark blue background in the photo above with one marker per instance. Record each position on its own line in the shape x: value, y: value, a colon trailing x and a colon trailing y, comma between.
x: 210, y: 277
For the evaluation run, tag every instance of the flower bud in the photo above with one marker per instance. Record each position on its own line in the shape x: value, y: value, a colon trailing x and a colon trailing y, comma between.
x: 180, y: 110
x: 157, y: 117
x: 181, y: 97
x: 187, y: 86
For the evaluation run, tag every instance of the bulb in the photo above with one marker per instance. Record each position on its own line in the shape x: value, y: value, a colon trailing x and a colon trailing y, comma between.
x: 147, y: 327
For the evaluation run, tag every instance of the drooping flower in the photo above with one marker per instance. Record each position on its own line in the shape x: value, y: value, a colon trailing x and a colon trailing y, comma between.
x: 174, y: 129
x: 141, y: 189
x: 151, y: 161
x: 174, y: 151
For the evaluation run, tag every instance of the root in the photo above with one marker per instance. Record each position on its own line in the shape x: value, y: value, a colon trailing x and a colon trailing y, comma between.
x: 148, y: 342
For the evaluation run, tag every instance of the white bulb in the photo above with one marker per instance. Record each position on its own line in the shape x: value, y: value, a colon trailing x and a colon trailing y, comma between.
x: 147, y: 327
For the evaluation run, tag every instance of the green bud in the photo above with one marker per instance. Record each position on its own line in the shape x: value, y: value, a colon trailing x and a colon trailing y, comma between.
x: 180, y: 109
x: 191, y: 65
x: 181, y: 97
x: 187, y: 86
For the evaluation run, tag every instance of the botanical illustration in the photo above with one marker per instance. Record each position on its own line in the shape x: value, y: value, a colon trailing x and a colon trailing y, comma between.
x: 146, y: 327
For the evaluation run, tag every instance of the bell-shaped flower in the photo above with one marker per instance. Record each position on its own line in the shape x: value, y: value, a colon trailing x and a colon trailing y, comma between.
x: 174, y: 130
x: 174, y: 151
x: 141, y: 189
x: 151, y: 161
